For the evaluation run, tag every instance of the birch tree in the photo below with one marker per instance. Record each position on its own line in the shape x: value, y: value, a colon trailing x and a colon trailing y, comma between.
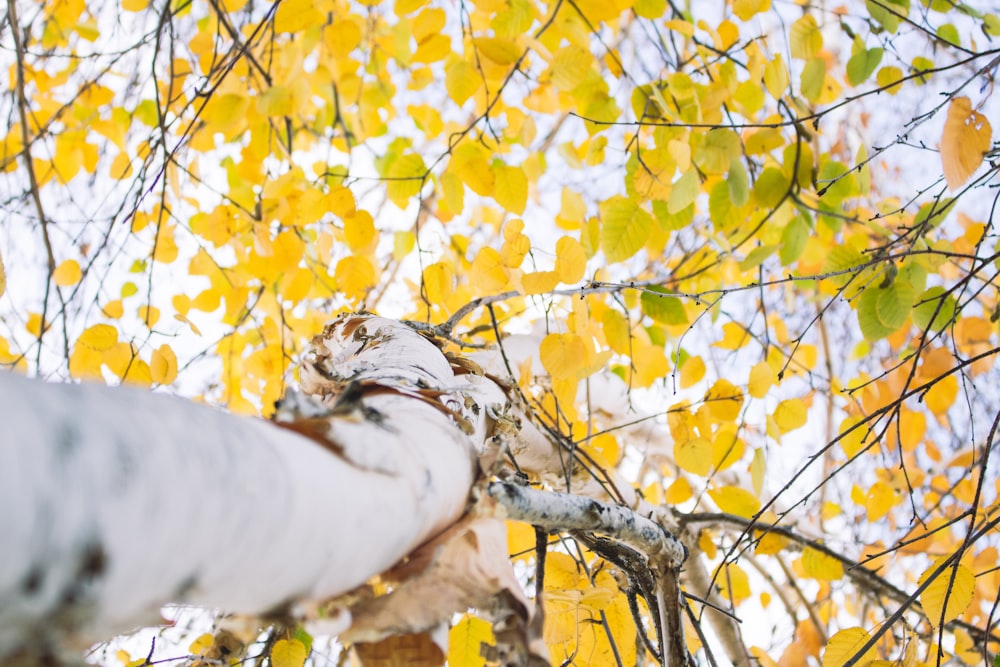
x: 719, y: 276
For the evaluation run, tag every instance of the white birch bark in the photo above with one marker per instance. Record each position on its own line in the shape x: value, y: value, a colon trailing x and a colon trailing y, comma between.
x: 116, y: 501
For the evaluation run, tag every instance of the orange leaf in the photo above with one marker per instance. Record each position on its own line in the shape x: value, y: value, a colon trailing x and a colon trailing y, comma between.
x: 965, y: 140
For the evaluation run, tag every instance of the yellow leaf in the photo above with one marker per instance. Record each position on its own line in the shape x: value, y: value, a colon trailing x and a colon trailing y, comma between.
x: 762, y: 377
x: 468, y: 638
x: 735, y: 500
x: 604, y: 449
x: 941, y: 395
x: 67, y: 273
x: 625, y: 228
x: 879, y: 500
x: 790, y: 415
x: 113, y: 309
x: 692, y: 372
x: 844, y: 645
x: 852, y: 442
x: 571, y: 260
x: 724, y: 400
x: 805, y: 38
x: 539, y: 282
x: 734, y: 336
x: 462, y: 80
x: 138, y: 373
x: 678, y: 491
x: 359, y: 232
x: 727, y: 448
x: 510, y: 187
x: 201, y: 644
x: 758, y: 468
x: 820, y: 566
x: 354, y: 276
x: 150, y: 315
x: 296, y: 15
x: 98, y: 337
x: 694, y: 456
x: 966, y: 138
x: 950, y: 594
x: 733, y: 582
x: 562, y: 355
x: 163, y: 365
x: 650, y: 364
x: 501, y: 51
x: 438, y: 283
x: 134, y: 5
x: 288, y: 653
x: 486, y: 273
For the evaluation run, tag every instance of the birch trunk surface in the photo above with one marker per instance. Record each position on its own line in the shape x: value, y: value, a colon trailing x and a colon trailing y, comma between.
x: 116, y: 500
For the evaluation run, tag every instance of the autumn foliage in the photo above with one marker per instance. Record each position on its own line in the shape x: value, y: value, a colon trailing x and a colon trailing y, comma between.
x: 742, y: 255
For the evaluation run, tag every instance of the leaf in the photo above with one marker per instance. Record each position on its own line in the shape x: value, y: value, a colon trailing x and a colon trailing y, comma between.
x: 790, y: 415
x: 724, y: 400
x: 762, y: 378
x: 510, y: 187
x: 694, y: 456
x: 163, y: 365
x: 812, y: 79
x: 406, y: 177
x: 735, y: 500
x: 739, y: 184
x: 888, y: 13
x: 692, y: 371
x: 571, y: 260
x: 879, y: 500
x: 67, y: 273
x: 562, y: 355
x: 863, y: 64
x: 500, y: 51
x: 819, y: 565
x: 487, y: 273
x: 683, y: 192
x: 805, y: 40
x: 666, y: 309
x: 949, y: 594
x: 625, y: 228
x: 468, y: 638
x: 894, y: 303
x: 462, y: 80
x: 966, y: 138
x: 98, y: 337
x: 288, y: 653
x: 844, y: 645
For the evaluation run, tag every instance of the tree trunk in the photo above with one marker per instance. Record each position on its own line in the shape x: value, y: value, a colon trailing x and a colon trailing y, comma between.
x: 116, y: 501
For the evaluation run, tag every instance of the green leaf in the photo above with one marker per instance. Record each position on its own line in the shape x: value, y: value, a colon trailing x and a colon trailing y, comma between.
x: 888, y: 13
x: 813, y: 76
x: 720, y: 148
x: 625, y: 228
x: 871, y: 326
x: 805, y: 38
x: 770, y: 188
x: 757, y: 257
x: 684, y: 192
x: 894, y: 303
x: 672, y: 221
x: 934, y: 310
x: 720, y: 207
x: 793, y: 240
x: 863, y: 64
x: 739, y: 184
x: 665, y: 309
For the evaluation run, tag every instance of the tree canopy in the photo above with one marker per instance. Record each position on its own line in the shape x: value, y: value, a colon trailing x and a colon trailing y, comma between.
x: 738, y: 259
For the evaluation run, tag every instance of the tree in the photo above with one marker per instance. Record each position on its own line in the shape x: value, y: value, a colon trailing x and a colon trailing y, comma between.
x: 727, y: 269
